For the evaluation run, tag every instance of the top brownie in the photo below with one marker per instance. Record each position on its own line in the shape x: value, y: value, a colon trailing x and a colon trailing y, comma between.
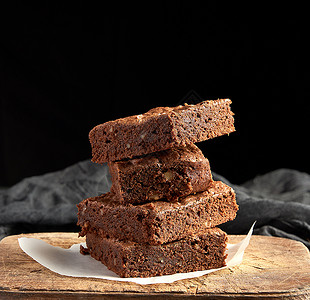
x: 159, y: 129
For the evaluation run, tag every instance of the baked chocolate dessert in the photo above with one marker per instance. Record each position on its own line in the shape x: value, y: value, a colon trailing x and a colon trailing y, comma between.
x: 160, y: 129
x: 157, y: 222
x: 167, y: 174
x: 205, y: 250
x: 159, y: 217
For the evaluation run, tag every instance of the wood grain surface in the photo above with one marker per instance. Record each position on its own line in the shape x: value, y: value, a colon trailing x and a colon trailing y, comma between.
x: 273, y: 268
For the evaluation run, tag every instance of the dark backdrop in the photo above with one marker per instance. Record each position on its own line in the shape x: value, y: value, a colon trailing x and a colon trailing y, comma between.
x: 67, y: 68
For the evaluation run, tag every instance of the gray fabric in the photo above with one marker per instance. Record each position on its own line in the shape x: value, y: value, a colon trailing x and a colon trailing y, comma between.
x: 279, y: 201
x: 48, y: 202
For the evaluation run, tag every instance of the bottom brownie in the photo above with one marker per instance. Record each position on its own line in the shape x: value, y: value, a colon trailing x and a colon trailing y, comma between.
x: 206, y: 250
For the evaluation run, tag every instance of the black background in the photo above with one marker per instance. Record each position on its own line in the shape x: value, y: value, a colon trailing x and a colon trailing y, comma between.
x: 66, y: 68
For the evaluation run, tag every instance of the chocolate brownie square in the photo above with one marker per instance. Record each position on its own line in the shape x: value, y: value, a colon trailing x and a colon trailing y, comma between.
x: 160, y: 129
x: 160, y: 221
x: 167, y: 174
x: 205, y: 250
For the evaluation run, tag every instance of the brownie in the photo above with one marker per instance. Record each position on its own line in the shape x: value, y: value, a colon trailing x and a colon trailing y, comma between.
x: 160, y: 129
x: 167, y: 174
x: 158, y: 222
x: 206, y: 250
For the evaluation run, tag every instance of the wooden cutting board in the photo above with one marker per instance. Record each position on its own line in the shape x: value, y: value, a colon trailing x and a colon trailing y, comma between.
x: 272, y: 268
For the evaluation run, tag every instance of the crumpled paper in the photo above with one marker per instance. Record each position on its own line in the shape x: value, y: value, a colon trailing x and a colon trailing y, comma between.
x: 70, y: 262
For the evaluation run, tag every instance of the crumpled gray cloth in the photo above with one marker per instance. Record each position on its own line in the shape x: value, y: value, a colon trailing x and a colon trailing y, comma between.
x: 279, y: 201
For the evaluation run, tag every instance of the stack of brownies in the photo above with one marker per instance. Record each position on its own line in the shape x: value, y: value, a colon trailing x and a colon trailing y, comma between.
x: 159, y: 217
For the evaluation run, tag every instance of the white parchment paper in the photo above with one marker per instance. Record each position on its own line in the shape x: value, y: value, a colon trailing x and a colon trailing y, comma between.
x: 70, y: 262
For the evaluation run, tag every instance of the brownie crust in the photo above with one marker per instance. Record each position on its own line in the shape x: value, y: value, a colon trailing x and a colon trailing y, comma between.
x: 167, y: 174
x: 160, y: 129
x: 206, y: 250
x: 157, y: 222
